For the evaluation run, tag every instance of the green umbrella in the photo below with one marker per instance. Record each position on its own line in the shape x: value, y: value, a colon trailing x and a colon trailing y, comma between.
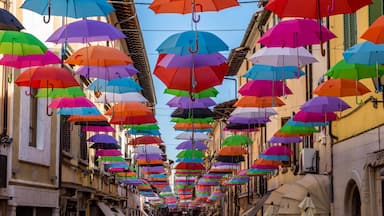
x: 194, y: 120
x: 236, y: 140
x: 110, y: 159
x: 143, y: 127
x: 190, y: 154
x: 289, y: 129
x: 20, y: 43
x: 354, y: 71
x: 60, y: 92
x: 210, y: 92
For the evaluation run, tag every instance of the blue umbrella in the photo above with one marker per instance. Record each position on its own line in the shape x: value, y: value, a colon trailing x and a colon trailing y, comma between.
x: 291, y: 122
x: 190, y: 160
x: 122, y: 85
x: 365, y: 53
x: 188, y: 42
x: 79, y: 111
x: 69, y: 8
x: 268, y: 72
x: 275, y: 157
x: 144, y: 132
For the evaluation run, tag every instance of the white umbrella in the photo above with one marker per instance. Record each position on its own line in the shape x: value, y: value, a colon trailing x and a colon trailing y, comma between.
x: 196, y: 136
x: 278, y: 56
x: 108, y: 97
x: 147, y: 150
x: 307, y: 206
x: 252, y: 112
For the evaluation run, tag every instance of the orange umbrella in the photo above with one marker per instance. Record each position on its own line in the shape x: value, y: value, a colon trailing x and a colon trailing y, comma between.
x: 187, y: 126
x: 253, y: 101
x: 125, y: 174
x: 232, y: 151
x: 375, y: 32
x: 262, y: 161
x: 149, y: 162
x: 129, y: 109
x: 220, y: 170
x: 77, y: 118
x: 341, y: 88
x: 99, y: 56
x: 185, y: 6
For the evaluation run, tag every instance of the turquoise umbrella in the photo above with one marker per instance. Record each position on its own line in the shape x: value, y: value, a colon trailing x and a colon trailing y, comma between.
x: 122, y: 85
x: 268, y: 72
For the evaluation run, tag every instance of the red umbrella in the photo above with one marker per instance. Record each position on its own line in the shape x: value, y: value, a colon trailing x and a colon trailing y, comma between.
x: 133, y: 120
x: 146, y: 140
x: 190, y: 166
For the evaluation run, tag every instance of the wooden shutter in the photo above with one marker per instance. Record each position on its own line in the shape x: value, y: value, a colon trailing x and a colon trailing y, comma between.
x: 375, y: 10
x: 65, y: 133
x: 3, y: 171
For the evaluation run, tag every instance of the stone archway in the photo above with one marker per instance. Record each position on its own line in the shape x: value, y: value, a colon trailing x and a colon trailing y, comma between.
x: 352, y: 200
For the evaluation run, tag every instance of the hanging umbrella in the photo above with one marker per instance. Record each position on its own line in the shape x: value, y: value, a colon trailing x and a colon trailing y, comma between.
x: 263, y: 88
x: 278, y: 56
x: 193, y: 120
x: 190, y: 154
x: 98, y: 129
x: 303, y: 116
x: 277, y: 150
x: 185, y: 42
x: 98, y: 56
x: 102, y: 138
x: 254, y: 101
x: 79, y: 111
x: 20, y: 43
x: 190, y: 166
x: 107, y: 73
x: 237, y: 140
x: 60, y: 92
x: 70, y: 8
x: 232, y: 151
x: 107, y: 152
x: 248, y: 120
x: 192, y: 126
x: 354, y: 71
x: 181, y: 78
x: 109, y: 97
x: 110, y: 159
x: 307, y: 207
x: 189, y: 61
x: 143, y: 127
x: 148, y: 150
x: 192, y: 113
x: 188, y: 145
x: 190, y: 160
x: 186, y: 102
x: 324, y: 104
x: 268, y: 72
x: 248, y: 112
x: 148, y: 157
x: 128, y: 109
x: 194, y: 136
x: 17, y: 61
x: 8, y: 21
x: 278, y: 139
x: 298, y: 130
x: 85, y: 31
x: 96, y: 118
x: 341, y: 88
x: 365, y: 53
x: 375, y: 31
x: 122, y: 85
x: 188, y: 6
x: 290, y: 8
x: 144, y: 140
x: 296, y: 33
x: 142, y: 119
x: 105, y: 146
x: 71, y: 102
x: 210, y: 92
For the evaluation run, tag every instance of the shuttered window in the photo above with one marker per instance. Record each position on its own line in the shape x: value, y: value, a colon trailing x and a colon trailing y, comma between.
x: 65, y: 133
x: 33, y: 119
x: 83, y: 145
x: 3, y: 171
x: 375, y: 10
x: 350, y: 30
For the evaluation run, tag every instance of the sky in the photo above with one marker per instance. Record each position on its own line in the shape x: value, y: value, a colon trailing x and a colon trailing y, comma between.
x: 229, y: 24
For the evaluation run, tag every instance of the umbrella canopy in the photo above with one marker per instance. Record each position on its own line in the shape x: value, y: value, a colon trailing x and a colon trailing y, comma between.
x: 210, y: 92
x: 110, y: 159
x: 20, y: 43
x: 46, y: 77
x: 17, y: 61
x: 133, y: 120
x: 190, y: 154
x: 324, y: 104
x: 277, y: 150
x: 70, y: 8
x: 253, y: 101
x: 289, y: 129
x: 148, y: 150
x: 354, y: 71
x: 85, y: 31
x: 263, y: 88
x: 185, y: 42
x: 190, y: 166
x: 278, y: 139
x: 79, y: 111
x: 192, y: 135
x: 290, y: 8
x: 341, y: 88
x: 9, y: 22
x: 278, y: 56
x: 232, y: 159
x: 186, y: 102
x: 296, y: 33
x: 107, y: 73
x: 185, y: 6
x: 102, y: 138
x: 60, y: 92
x: 375, y: 31
x: 181, y: 78
x: 248, y: 112
x: 303, y: 116
x: 193, y: 120
x: 122, y: 85
x: 143, y: 140
x: 232, y: 151
x: 192, y: 113
x: 105, y: 146
x: 77, y: 118
x: 71, y: 102
x: 98, y: 129
x: 129, y: 109
x: 108, y: 152
x: 248, y: 120
x: 189, y: 145
x: 99, y: 56
x: 268, y: 72
x: 109, y: 97
x: 365, y: 53
x: 189, y: 61
x: 192, y: 126
x: 237, y: 140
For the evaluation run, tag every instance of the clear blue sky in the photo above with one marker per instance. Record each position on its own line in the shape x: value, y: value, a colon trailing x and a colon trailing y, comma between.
x: 228, y: 24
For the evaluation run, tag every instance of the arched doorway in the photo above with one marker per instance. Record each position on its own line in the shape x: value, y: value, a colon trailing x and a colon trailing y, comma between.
x: 352, y: 199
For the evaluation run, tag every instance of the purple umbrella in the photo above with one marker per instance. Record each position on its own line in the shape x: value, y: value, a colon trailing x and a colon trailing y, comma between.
x: 263, y: 88
x: 153, y: 169
x: 149, y: 157
x: 277, y: 139
x: 188, y: 145
x: 107, y: 73
x: 245, y: 120
x: 98, y: 128
x: 218, y: 164
x: 132, y: 181
x: 278, y: 150
x: 186, y: 102
x: 30, y: 60
x: 85, y: 31
x: 325, y: 104
x: 108, y: 152
x: 102, y: 138
x: 196, y: 60
x: 303, y: 116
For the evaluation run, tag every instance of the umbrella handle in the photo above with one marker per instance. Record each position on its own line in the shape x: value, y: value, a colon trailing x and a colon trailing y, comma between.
x: 46, y: 21
x: 195, y: 17
x: 190, y: 50
x: 47, y: 108
x: 322, y: 49
x: 29, y: 93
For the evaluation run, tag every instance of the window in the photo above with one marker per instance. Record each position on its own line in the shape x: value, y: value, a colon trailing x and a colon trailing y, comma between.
x: 65, y: 133
x: 83, y: 145
x: 33, y: 119
x: 375, y: 10
x: 350, y: 30
x: 3, y: 171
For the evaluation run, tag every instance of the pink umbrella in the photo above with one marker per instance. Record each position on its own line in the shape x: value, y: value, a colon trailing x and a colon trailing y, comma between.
x: 117, y: 169
x: 91, y: 128
x: 71, y: 102
x: 296, y: 33
x: 263, y: 88
x: 108, y: 152
x: 278, y: 150
x: 303, y: 116
x: 30, y: 60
